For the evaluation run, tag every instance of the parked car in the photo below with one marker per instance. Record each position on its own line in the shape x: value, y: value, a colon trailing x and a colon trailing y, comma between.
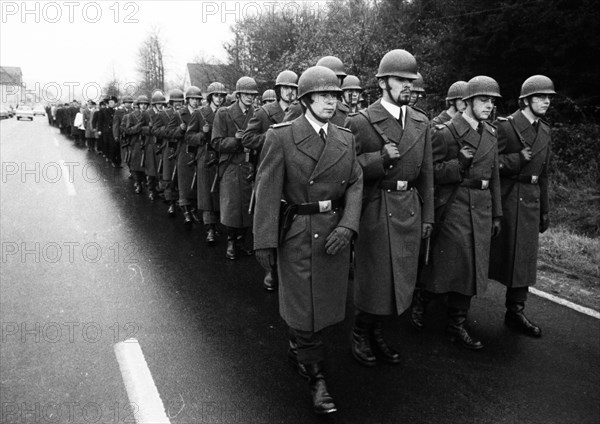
x: 39, y: 110
x: 24, y: 112
x: 4, y: 113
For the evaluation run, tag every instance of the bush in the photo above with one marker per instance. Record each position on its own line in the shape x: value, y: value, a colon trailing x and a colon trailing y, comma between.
x: 576, y: 149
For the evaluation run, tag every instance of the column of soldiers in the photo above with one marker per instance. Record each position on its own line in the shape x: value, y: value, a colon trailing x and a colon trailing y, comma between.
x: 421, y: 209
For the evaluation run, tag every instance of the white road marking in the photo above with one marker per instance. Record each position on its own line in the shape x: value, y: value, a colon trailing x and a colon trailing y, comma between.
x: 67, y: 179
x: 141, y: 390
x: 563, y: 302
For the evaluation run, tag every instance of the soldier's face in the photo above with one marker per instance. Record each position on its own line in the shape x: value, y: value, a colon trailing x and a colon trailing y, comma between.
x: 538, y: 104
x: 143, y: 107
x: 460, y: 105
x: 396, y: 90
x: 351, y: 96
x: 177, y: 105
x: 218, y: 99
x: 323, y: 105
x: 288, y: 94
x: 247, y: 99
x: 481, y: 107
x: 128, y: 105
x: 111, y: 103
x: 194, y: 103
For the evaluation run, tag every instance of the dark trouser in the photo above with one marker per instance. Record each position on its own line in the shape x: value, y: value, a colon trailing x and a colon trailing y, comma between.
x: 139, y: 177
x: 151, y: 181
x: 310, y: 345
x: 91, y: 143
x: 455, y: 300
x: 115, y: 151
x: 366, y: 319
x: 210, y: 217
x: 516, y: 296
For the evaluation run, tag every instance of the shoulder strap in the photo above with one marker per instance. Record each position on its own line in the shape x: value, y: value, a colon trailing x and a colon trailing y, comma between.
x: 376, y: 126
x: 453, y: 132
x: 520, y: 137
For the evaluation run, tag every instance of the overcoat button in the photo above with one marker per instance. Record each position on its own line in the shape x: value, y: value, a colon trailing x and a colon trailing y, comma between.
x: 316, y: 236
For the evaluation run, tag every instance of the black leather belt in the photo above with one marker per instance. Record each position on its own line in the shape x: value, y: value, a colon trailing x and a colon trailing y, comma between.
x: 529, y: 179
x: 396, y: 185
x: 478, y: 184
x: 316, y: 207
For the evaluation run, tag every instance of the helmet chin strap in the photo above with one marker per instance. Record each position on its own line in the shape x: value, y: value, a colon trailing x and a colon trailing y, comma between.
x: 309, y: 107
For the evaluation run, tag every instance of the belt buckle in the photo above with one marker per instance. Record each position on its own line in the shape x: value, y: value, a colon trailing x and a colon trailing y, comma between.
x: 324, y: 206
x: 534, y: 179
x: 401, y: 185
x: 485, y: 184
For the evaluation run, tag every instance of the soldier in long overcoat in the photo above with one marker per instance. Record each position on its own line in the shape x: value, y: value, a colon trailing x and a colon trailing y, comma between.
x: 394, y: 151
x: 152, y: 159
x: 454, y: 103
x: 199, y: 134
x: 311, y: 164
x: 286, y: 91
x: 235, y: 168
x: 137, y: 129
x: 105, y: 126
x: 186, y: 158
x: 170, y: 124
x: 118, y: 128
x: 524, y: 155
x: 467, y: 209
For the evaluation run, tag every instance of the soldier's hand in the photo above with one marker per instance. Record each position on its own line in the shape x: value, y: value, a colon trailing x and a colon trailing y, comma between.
x: 426, y: 230
x: 206, y: 128
x: 496, y: 227
x: 239, y: 134
x: 465, y: 157
x: 99, y: 132
x: 544, y: 222
x: 390, y: 153
x: 182, y: 126
x: 526, y: 154
x: 338, y: 239
x: 265, y: 257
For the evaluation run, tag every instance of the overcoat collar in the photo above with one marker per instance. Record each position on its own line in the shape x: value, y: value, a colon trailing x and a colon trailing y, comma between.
x: 309, y: 143
x: 236, y: 114
x: 274, y: 112
x: 482, y: 143
x: 533, y: 139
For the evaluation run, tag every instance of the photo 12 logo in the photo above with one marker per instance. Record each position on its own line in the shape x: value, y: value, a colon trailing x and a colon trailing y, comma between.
x: 54, y: 12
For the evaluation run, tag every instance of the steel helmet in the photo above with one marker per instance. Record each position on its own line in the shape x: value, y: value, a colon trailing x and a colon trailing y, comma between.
x: 537, y: 84
x: 398, y: 63
x: 318, y: 79
x: 458, y: 90
x: 142, y: 99
x: 269, y: 95
x: 215, y: 88
x: 482, y: 86
x: 333, y: 63
x: 418, y: 84
x: 128, y: 99
x: 287, y: 78
x: 176, y: 95
x: 351, y: 82
x: 246, y: 85
x: 193, y: 93
x: 158, y: 97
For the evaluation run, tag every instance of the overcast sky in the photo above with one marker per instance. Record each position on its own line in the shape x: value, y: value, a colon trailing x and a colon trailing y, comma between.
x: 84, y: 42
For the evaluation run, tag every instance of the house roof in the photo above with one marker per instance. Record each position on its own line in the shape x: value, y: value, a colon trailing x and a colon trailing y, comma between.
x: 203, y: 74
x: 11, y: 75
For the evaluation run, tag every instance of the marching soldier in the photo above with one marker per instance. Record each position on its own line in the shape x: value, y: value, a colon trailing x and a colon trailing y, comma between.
x: 137, y: 130
x: 454, y: 103
x: 468, y: 210
x: 90, y: 132
x: 235, y: 168
x: 186, y: 158
x: 118, y: 132
x: 524, y: 155
x: 418, y: 90
x: 286, y: 91
x: 153, y: 144
x: 105, y: 126
x: 199, y: 135
x: 351, y: 89
x: 311, y: 164
x: 169, y: 127
x: 341, y: 113
x: 394, y: 151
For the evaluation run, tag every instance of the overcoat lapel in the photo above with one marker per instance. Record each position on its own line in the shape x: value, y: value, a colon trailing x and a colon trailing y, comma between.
x: 334, y: 149
x: 306, y: 139
x: 412, y: 129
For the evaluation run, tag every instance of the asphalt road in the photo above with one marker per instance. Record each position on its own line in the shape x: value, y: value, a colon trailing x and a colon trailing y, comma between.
x: 86, y: 263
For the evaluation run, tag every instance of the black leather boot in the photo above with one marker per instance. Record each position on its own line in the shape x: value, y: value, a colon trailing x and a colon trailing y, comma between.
x: 137, y: 188
x: 172, y: 209
x: 231, y: 252
x: 211, y: 236
x: 187, y: 216
x: 381, y: 346
x: 361, y: 345
x: 293, y: 358
x: 417, y: 310
x: 270, y: 281
x: 458, y: 333
x: 321, y: 399
x: 516, y: 320
x: 195, y: 215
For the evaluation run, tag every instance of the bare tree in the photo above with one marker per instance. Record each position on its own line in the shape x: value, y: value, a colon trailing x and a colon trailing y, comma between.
x: 150, y: 63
